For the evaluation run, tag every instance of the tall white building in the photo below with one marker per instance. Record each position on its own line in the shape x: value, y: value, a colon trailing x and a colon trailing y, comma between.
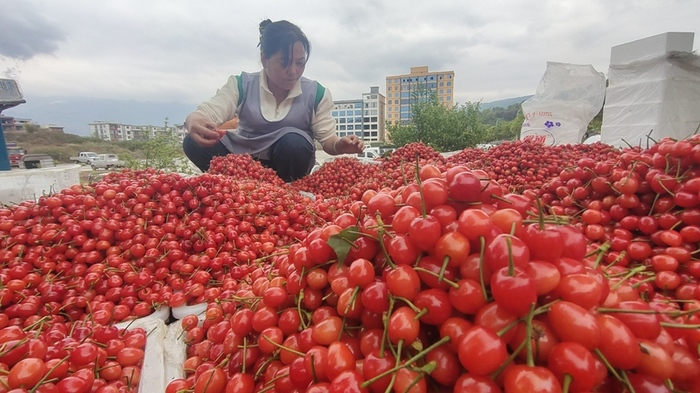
x: 403, y: 90
x: 124, y: 132
x: 362, y: 117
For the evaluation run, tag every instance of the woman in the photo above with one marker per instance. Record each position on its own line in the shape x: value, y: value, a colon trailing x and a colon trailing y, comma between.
x: 280, y: 113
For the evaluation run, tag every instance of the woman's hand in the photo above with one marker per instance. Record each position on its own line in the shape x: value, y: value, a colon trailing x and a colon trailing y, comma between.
x: 350, y: 144
x: 202, y: 130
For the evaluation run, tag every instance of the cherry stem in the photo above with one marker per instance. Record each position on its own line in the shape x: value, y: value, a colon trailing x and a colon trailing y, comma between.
x: 353, y: 299
x: 601, y: 251
x: 679, y: 325
x: 627, y: 276
x: 385, y: 322
x: 282, y: 347
x: 482, y: 243
x: 509, y: 360
x: 528, y: 335
x: 269, y: 360
x: 4, y: 351
x: 608, y: 365
x: 44, y: 378
x: 511, y: 262
x: 540, y: 213
x: 245, y: 353
x: 567, y: 382
x: 397, y: 356
x: 427, y: 369
x: 387, y: 257
x: 445, y: 280
x: 627, y: 382
x: 419, y: 311
x: 445, y: 261
x: 418, y: 356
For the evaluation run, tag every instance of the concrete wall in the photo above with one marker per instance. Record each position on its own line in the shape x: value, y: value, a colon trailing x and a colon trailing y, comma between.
x: 20, y: 185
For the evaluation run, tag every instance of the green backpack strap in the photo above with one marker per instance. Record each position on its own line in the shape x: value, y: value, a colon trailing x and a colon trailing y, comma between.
x: 320, y: 91
x: 241, y: 93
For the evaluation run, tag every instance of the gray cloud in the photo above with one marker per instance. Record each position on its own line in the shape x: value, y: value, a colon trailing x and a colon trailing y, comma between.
x: 26, y: 32
x: 179, y: 50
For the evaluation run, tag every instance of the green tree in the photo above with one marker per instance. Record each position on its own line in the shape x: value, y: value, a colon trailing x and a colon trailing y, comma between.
x: 442, y: 128
x: 496, y: 115
x: 506, y: 130
x: 162, y: 151
x: 31, y: 128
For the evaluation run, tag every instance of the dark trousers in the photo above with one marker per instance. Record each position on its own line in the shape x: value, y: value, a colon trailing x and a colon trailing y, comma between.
x: 292, y: 156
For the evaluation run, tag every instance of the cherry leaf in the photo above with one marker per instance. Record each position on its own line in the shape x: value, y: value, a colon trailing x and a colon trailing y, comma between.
x: 343, y: 241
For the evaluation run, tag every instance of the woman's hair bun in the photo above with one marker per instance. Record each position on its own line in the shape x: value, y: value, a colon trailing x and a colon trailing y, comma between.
x: 263, y: 25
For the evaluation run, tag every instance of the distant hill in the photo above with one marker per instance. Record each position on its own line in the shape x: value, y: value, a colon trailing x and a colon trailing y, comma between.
x: 75, y: 113
x: 504, y: 103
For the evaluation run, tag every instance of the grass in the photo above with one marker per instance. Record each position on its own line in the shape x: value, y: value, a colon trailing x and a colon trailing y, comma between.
x: 61, y: 146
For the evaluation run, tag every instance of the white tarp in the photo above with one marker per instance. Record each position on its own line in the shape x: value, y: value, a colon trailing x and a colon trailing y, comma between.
x: 567, y: 99
x: 652, y: 98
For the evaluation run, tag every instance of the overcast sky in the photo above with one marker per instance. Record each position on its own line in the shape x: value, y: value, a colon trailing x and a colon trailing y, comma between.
x: 183, y: 50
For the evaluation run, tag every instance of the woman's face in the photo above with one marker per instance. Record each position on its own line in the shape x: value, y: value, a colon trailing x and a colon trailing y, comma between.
x: 281, y: 77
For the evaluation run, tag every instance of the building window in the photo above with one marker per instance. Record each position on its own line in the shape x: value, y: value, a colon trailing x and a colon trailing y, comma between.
x: 442, y: 84
x: 449, y: 98
x: 449, y: 91
x: 449, y: 83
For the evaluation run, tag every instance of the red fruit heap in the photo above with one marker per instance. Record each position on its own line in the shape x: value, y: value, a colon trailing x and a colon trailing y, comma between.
x: 645, y: 207
x: 424, y: 274
x: 243, y: 167
x: 52, y: 356
x: 338, y: 178
x: 521, y: 166
x: 442, y: 285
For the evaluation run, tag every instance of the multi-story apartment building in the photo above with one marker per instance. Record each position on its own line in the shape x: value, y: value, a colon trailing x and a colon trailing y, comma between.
x: 362, y: 117
x: 404, y: 90
x: 10, y: 123
x: 124, y: 132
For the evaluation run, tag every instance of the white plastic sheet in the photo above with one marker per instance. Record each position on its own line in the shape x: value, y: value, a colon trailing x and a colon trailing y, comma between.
x: 567, y: 99
x: 651, y: 99
x: 152, y: 370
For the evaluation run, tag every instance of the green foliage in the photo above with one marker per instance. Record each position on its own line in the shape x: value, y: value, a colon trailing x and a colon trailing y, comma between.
x: 505, y: 130
x: 163, y: 152
x: 442, y: 128
x: 496, y: 115
x: 31, y: 128
x: 596, y: 124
